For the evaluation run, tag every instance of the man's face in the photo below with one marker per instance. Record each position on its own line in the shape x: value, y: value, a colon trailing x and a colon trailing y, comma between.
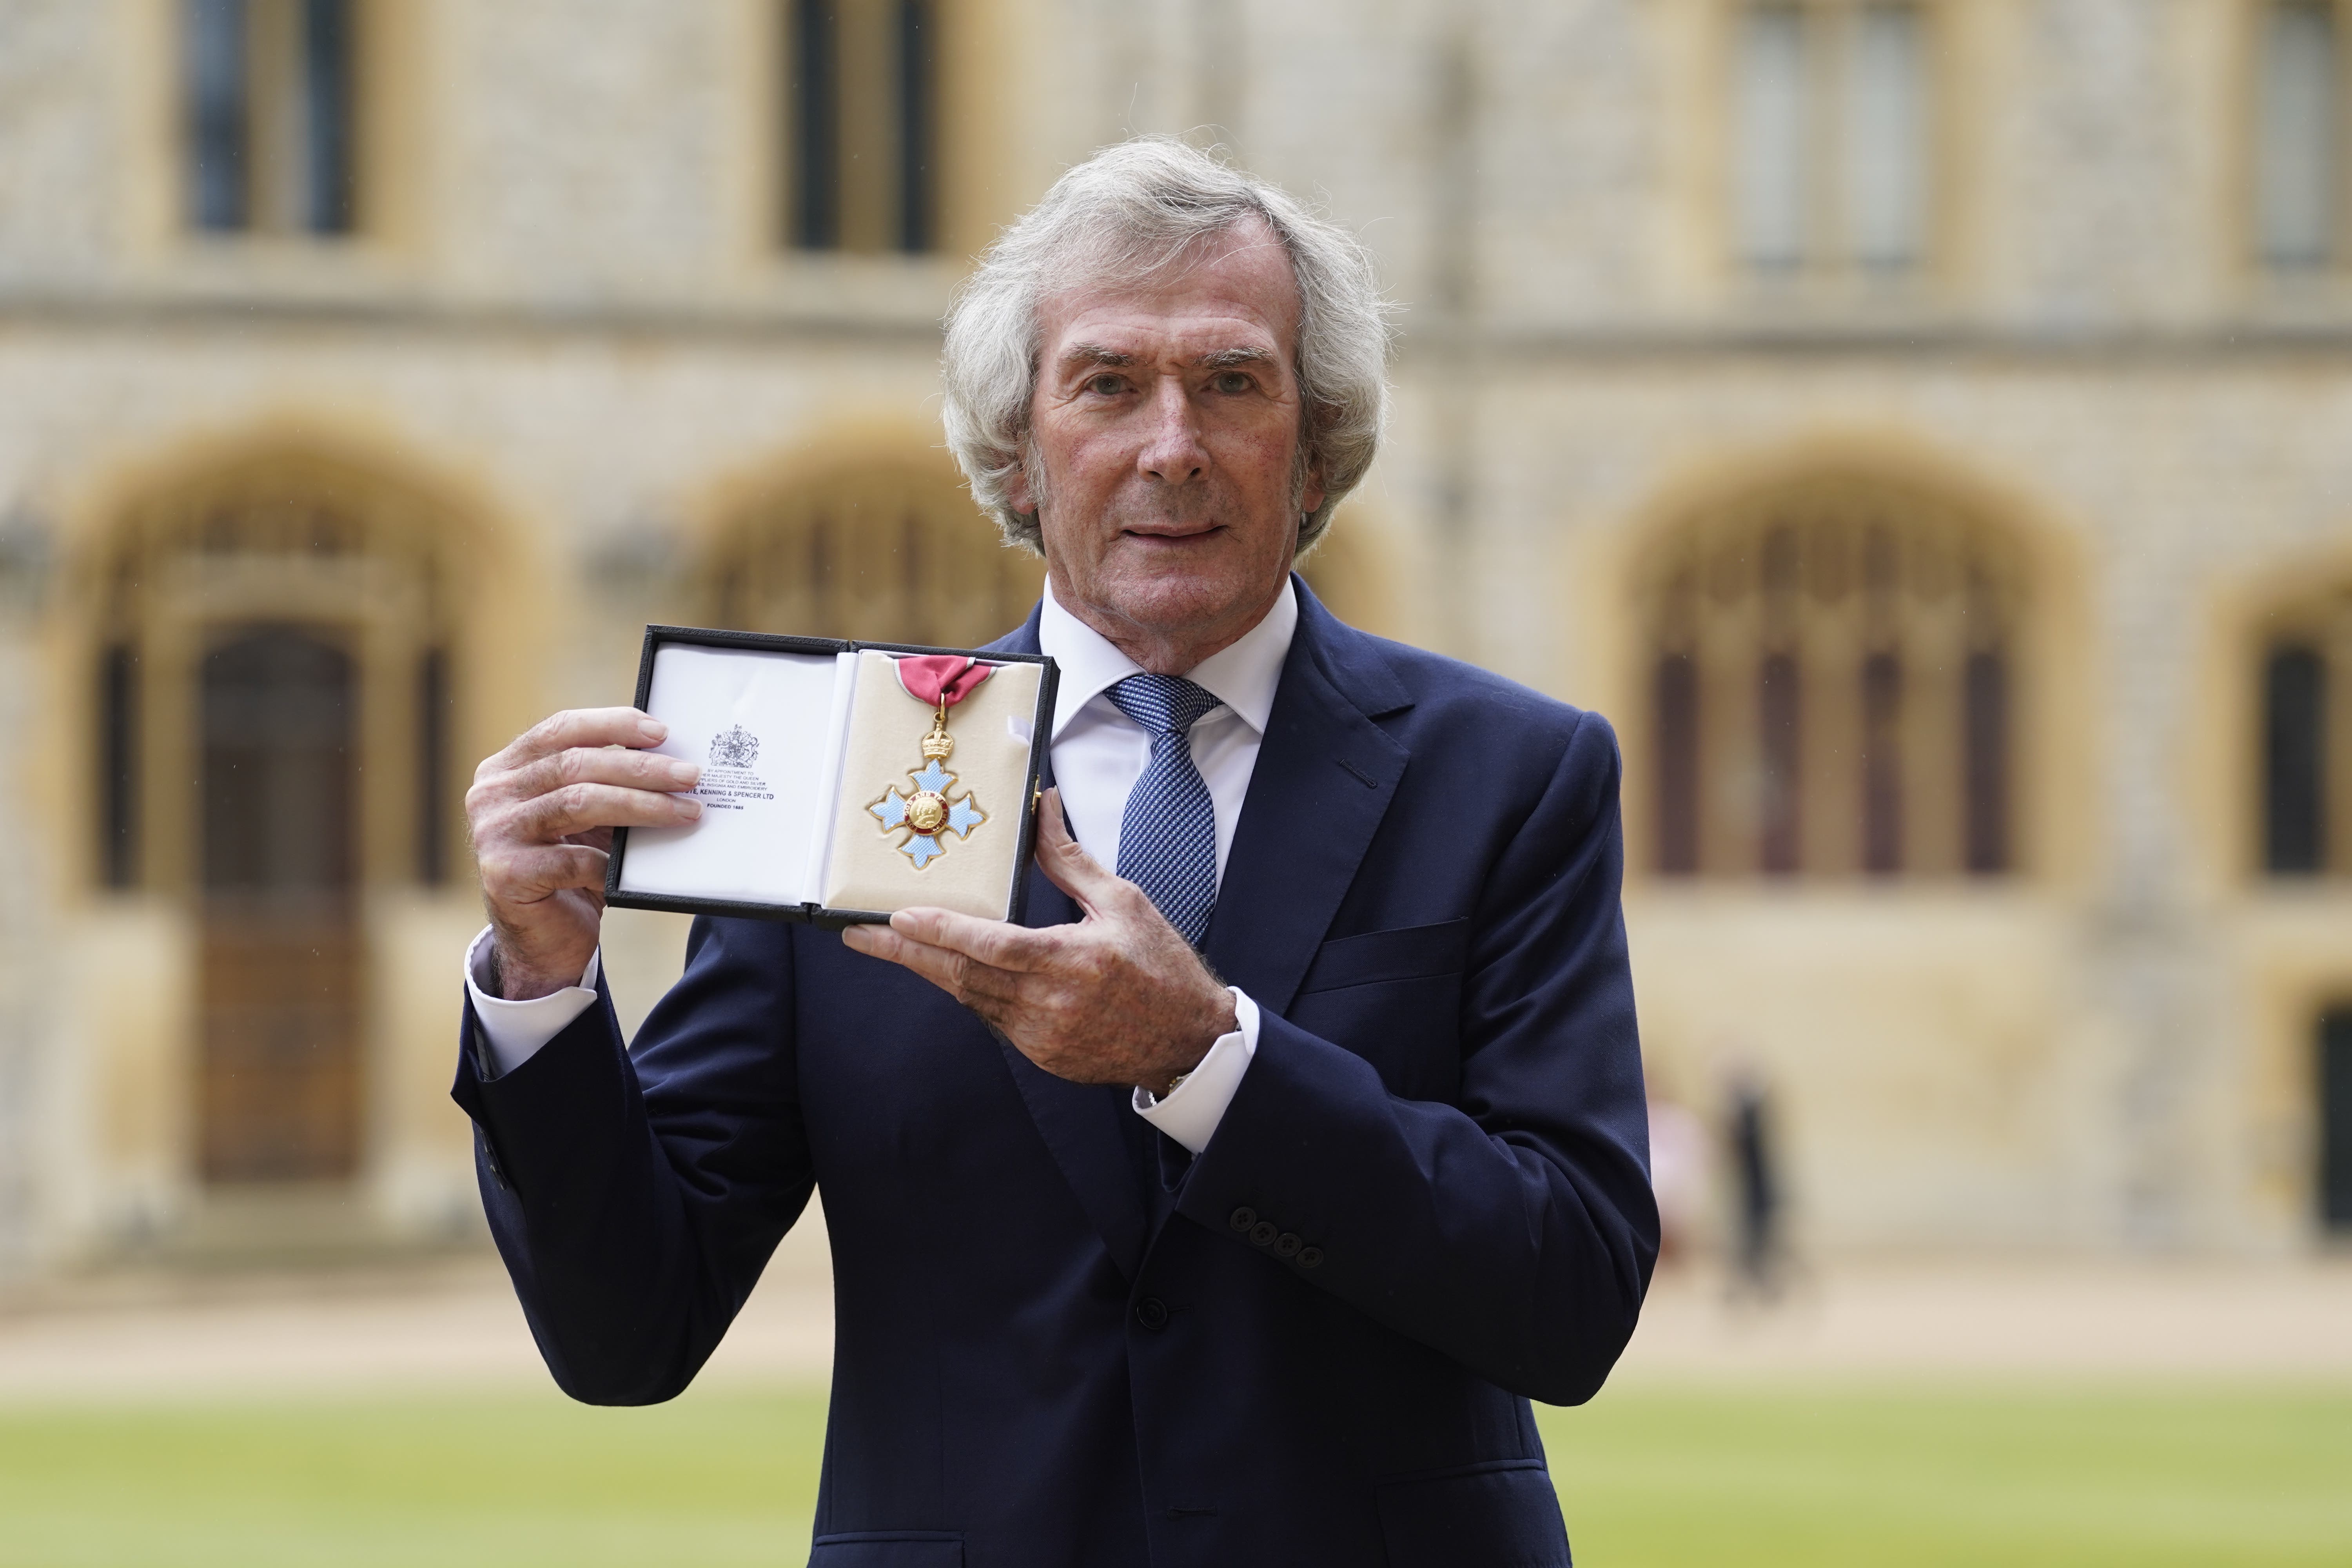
x: 1166, y: 420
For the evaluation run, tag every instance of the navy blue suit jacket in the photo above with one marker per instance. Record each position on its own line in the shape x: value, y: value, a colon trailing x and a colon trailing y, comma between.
x: 1060, y: 1339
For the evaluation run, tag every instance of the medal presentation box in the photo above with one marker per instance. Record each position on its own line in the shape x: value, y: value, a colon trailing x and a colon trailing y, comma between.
x: 841, y: 781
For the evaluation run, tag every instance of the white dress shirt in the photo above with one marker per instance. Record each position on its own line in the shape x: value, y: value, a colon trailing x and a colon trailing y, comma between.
x: 1098, y: 753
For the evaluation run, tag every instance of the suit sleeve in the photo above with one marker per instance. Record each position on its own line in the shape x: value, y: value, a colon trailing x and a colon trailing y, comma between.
x: 637, y: 1198
x: 1513, y: 1228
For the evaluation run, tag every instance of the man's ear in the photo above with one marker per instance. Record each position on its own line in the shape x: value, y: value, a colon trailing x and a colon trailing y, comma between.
x: 1018, y: 493
x: 1310, y: 497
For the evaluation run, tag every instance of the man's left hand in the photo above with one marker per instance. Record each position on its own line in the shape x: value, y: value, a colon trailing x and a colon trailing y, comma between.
x: 1120, y: 997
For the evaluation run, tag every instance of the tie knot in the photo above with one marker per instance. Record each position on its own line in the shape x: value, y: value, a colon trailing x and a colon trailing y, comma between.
x: 1163, y: 704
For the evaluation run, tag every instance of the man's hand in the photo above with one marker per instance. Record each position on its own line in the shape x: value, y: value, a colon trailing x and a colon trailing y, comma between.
x: 542, y: 814
x: 1120, y: 998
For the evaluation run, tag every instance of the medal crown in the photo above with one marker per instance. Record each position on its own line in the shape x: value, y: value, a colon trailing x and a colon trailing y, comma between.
x: 939, y: 744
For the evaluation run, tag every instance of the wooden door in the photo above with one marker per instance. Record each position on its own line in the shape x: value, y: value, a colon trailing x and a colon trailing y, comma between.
x: 279, y: 1098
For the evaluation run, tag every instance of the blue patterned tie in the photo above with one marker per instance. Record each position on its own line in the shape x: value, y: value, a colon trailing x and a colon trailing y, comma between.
x: 1168, y: 838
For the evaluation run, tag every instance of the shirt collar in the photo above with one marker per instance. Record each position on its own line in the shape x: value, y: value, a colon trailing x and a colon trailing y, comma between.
x: 1242, y: 677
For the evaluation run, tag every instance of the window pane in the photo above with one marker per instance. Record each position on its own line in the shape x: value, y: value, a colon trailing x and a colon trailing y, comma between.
x: 1882, y: 763
x: 118, y: 748
x: 1770, y: 159
x: 1987, y: 762
x: 1885, y: 137
x: 2295, y: 762
x: 219, y: 111
x: 815, y: 120
x: 2295, y: 180
x: 916, y: 121
x: 1678, y: 789
x: 327, y: 116
x: 2336, y: 1121
x: 433, y: 699
x: 1783, y: 755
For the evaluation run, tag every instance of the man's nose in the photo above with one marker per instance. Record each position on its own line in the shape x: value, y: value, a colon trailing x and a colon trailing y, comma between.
x: 1172, y: 452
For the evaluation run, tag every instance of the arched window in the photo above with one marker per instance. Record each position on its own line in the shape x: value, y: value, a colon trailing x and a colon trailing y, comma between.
x: 1832, y: 683
x: 885, y: 552
x: 272, y: 741
x: 2306, y: 681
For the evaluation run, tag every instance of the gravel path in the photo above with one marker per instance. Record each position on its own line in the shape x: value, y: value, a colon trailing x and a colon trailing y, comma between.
x: 454, y: 1323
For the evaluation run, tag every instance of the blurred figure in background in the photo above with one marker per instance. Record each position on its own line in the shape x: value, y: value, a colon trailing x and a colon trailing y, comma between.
x: 1757, y: 1247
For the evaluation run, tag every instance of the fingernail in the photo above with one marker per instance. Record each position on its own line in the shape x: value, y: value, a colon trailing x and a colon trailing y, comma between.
x: 685, y: 772
x: 693, y: 809
x: 652, y: 729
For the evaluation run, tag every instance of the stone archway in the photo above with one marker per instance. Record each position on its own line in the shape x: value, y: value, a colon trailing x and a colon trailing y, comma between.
x: 276, y: 635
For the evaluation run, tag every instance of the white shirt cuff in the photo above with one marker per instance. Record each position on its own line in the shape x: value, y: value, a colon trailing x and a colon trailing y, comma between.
x: 515, y: 1030
x: 1189, y: 1115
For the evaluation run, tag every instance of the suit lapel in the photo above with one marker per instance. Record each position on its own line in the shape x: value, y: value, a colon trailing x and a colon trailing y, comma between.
x: 1324, y: 775
x: 1079, y: 1122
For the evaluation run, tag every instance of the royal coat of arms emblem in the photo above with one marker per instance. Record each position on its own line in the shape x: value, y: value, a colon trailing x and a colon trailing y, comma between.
x: 735, y: 748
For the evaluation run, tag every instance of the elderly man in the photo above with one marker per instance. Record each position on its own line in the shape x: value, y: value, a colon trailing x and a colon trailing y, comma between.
x: 1233, y: 1210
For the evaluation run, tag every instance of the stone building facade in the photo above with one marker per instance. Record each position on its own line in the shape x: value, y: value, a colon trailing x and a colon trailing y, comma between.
x: 1926, y: 429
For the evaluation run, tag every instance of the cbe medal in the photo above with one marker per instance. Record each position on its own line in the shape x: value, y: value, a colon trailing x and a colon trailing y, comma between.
x: 931, y: 810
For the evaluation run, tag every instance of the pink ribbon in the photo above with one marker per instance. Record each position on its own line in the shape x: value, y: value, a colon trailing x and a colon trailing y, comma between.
x: 940, y: 680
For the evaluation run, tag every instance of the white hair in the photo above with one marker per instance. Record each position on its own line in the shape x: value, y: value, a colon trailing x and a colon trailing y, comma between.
x: 1121, y: 216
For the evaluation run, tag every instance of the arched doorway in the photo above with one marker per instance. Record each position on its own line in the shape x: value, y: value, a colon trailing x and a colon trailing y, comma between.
x: 274, y: 703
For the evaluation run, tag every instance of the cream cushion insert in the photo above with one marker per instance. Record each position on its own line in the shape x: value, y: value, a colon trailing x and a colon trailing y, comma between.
x: 991, y: 728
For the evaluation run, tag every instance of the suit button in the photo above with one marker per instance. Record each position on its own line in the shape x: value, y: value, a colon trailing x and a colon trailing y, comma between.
x: 1243, y: 1218
x: 1152, y: 1313
x: 1263, y: 1233
x: 1285, y: 1246
x: 1309, y: 1257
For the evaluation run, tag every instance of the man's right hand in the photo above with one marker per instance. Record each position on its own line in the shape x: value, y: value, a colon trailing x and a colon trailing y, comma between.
x: 542, y: 814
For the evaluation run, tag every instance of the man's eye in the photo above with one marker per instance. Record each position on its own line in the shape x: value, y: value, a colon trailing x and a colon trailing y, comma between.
x: 1232, y: 381
x: 1106, y: 384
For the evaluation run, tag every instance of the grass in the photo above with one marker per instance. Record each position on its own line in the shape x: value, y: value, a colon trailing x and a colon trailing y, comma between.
x: 1926, y: 1478
x: 449, y: 1481
x: 1650, y: 1477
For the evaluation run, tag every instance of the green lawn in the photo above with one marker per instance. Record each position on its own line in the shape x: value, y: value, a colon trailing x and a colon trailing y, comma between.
x: 1926, y: 1478
x: 1652, y: 1478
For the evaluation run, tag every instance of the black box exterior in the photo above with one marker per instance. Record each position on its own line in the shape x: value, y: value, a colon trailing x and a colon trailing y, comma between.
x: 1041, y: 734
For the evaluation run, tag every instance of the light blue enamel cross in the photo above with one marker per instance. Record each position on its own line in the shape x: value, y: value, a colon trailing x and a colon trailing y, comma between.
x: 923, y: 847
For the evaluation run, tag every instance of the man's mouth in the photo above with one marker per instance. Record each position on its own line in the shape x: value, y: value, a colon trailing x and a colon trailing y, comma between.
x: 1171, y: 535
